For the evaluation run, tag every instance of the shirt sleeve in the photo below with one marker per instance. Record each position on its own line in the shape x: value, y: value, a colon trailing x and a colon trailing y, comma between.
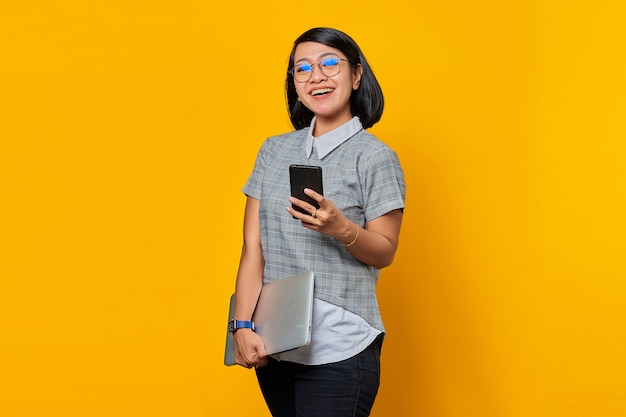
x: 253, y: 186
x: 382, y: 183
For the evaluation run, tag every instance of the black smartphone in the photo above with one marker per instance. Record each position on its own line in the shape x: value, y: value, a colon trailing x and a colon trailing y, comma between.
x: 305, y: 176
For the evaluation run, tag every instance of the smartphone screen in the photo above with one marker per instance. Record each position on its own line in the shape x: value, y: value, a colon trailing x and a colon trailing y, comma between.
x: 305, y: 176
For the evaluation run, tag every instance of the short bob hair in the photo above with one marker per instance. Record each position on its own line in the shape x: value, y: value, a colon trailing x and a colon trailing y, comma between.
x: 367, y: 102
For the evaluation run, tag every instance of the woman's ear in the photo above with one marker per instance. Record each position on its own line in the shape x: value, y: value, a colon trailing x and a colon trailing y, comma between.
x: 358, y: 73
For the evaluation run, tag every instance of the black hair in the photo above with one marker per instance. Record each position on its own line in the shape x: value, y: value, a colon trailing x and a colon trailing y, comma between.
x: 366, y: 102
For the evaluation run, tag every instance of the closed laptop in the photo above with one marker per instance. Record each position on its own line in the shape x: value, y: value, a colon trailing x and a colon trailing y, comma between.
x: 282, y: 317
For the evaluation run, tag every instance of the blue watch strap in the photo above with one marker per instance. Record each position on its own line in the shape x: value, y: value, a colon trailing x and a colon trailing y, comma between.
x: 240, y: 324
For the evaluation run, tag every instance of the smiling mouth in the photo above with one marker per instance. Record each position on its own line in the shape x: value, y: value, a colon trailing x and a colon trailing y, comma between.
x: 321, y: 92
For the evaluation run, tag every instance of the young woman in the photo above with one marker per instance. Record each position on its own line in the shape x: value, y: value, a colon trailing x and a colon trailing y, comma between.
x: 332, y: 97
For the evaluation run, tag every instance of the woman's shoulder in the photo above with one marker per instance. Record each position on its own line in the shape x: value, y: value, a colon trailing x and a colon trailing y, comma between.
x: 294, y: 135
x: 283, y: 146
x: 368, y: 144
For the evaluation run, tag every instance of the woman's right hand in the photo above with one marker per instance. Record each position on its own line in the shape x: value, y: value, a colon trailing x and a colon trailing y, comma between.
x: 249, y: 349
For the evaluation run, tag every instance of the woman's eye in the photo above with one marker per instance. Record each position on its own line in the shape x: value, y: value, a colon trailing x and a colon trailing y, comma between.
x: 330, y: 62
x: 303, y: 68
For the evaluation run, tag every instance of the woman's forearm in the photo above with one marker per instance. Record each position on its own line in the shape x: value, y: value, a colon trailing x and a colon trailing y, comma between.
x: 377, y: 243
x: 251, y: 264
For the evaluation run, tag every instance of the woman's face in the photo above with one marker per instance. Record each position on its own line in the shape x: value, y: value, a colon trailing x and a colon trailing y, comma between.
x: 328, y: 97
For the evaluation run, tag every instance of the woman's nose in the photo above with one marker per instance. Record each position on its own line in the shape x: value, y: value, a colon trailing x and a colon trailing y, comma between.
x: 316, y: 72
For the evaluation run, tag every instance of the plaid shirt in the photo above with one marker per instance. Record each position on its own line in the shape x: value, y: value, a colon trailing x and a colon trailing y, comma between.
x: 362, y: 177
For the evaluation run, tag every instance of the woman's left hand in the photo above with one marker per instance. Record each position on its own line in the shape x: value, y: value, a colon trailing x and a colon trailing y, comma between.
x: 377, y: 241
x: 327, y: 219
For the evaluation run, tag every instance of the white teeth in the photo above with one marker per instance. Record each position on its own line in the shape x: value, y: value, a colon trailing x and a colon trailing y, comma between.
x: 321, y: 91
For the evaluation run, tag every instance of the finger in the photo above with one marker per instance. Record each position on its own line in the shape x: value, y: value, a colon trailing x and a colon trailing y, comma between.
x: 314, y: 195
x: 260, y: 360
x: 261, y: 353
x: 300, y: 203
x: 306, y: 207
x: 249, y: 362
x: 296, y: 214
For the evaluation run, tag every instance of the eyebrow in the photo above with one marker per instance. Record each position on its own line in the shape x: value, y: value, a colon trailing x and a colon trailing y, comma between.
x: 325, y: 54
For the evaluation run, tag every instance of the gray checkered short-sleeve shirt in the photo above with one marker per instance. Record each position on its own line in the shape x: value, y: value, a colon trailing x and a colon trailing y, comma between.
x: 363, y: 178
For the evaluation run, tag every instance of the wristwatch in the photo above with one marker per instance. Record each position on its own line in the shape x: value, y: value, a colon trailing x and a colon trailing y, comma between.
x: 239, y: 324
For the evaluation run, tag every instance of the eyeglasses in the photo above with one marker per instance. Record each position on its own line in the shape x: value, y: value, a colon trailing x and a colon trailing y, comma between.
x: 328, y: 66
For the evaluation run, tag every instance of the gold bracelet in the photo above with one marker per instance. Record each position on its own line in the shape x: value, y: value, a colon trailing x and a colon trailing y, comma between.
x: 355, y: 237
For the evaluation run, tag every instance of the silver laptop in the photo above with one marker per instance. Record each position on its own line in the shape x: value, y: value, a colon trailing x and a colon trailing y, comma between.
x: 282, y: 316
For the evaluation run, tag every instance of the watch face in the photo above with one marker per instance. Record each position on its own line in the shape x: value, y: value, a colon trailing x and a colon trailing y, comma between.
x: 239, y: 324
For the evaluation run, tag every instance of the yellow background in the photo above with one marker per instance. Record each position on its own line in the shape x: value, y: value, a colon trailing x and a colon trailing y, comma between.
x: 128, y: 128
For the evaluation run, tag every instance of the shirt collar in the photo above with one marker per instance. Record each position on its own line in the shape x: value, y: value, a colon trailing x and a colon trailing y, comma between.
x: 326, y: 143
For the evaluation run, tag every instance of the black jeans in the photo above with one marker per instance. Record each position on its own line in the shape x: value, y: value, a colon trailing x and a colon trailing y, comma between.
x: 341, y: 389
